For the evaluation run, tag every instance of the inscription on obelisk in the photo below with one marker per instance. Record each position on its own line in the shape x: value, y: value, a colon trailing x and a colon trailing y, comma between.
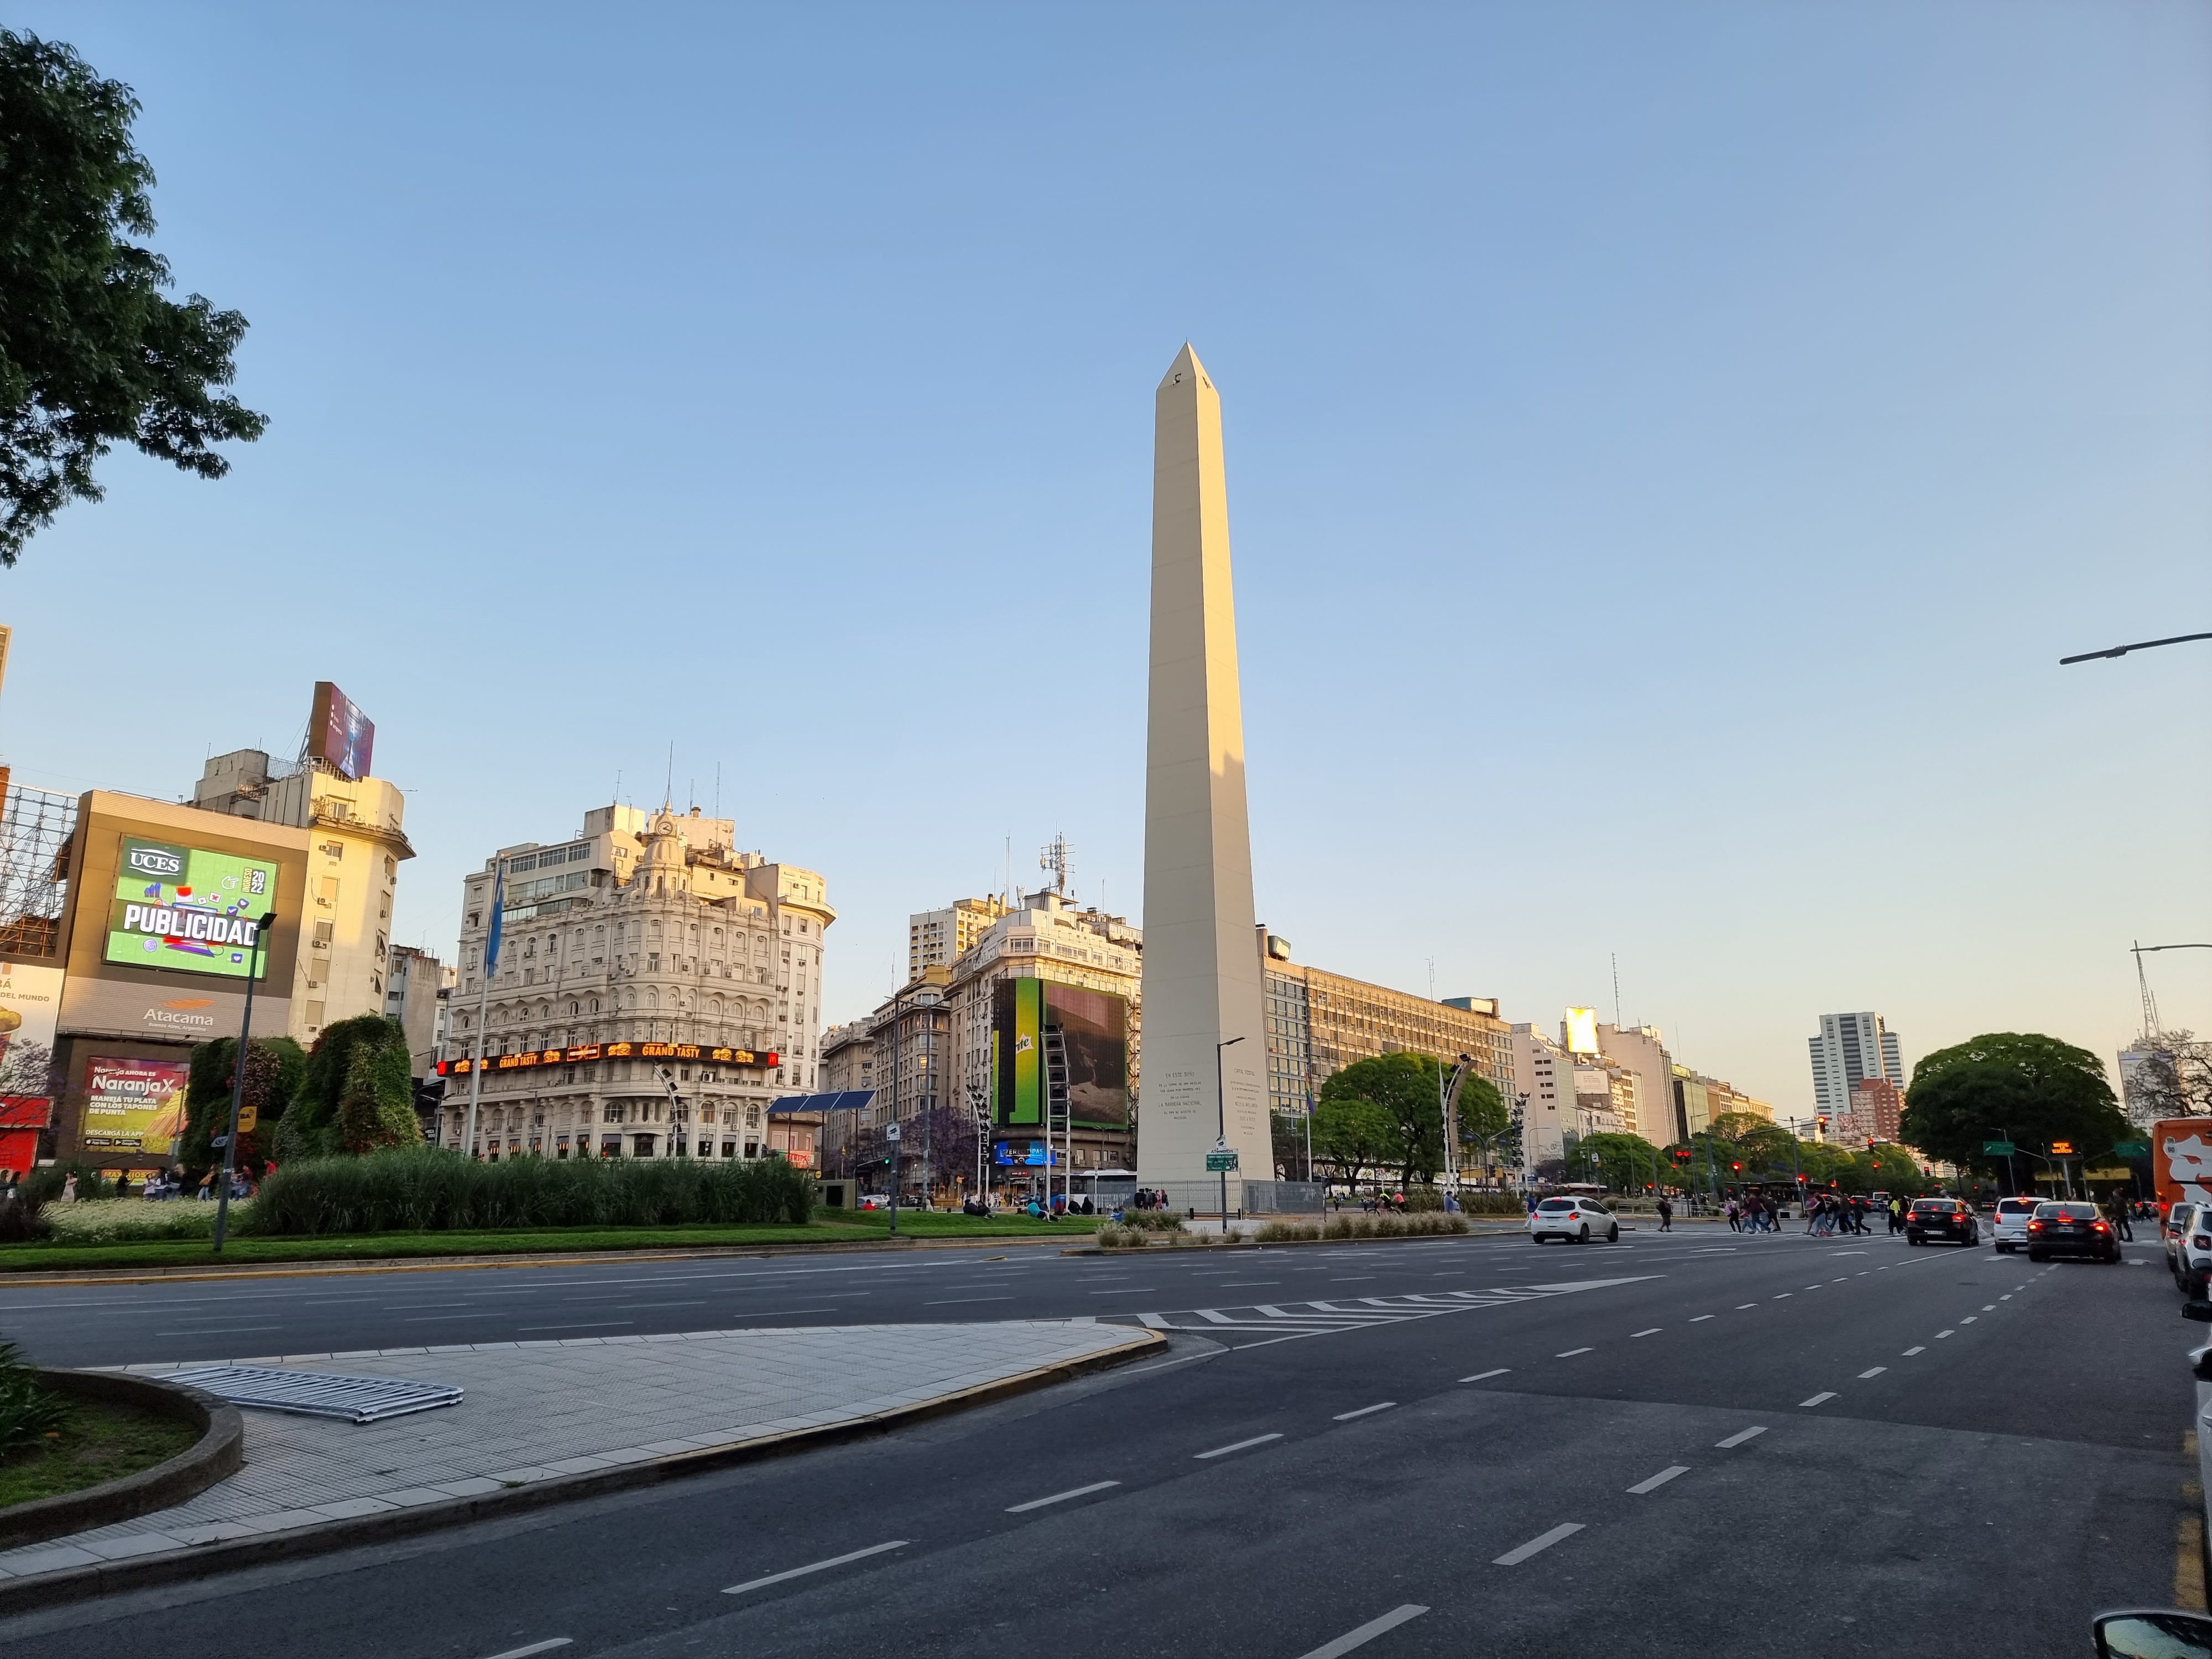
x: 1201, y: 976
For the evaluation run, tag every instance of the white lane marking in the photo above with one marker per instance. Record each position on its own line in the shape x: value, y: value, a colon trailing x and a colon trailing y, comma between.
x: 1367, y: 1632
x: 1940, y: 1335
x: 1989, y: 1307
x: 1660, y: 1478
x: 1915, y: 1348
x: 1241, y: 1445
x: 1781, y: 1297
x: 1741, y: 1306
x: 602, y: 1325
x: 1152, y: 1321
x: 1571, y: 1353
x: 1969, y: 1319
x: 1740, y: 1435
x: 1817, y: 1399
x: 818, y: 1566
x: 955, y: 1301
x: 1514, y: 1558
x: 1653, y: 1331
x: 1814, y: 1287
x: 546, y: 1646
x: 1214, y: 1316
x: 1700, y: 1317
x: 1876, y: 1371
x: 1061, y: 1496
x: 1364, y: 1410
x: 1132, y: 1290
x: 1483, y: 1376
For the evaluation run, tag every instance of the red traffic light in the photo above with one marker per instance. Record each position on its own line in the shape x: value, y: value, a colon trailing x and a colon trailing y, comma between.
x: 1736, y: 1166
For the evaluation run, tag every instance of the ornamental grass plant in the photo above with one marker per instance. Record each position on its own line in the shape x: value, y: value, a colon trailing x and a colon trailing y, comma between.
x: 426, y: 1189
x: 131, y: 1220
x: 28, y: 1410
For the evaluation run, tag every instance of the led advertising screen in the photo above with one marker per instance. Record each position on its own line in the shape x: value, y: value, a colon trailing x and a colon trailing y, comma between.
x: 188, y: 909
x: 134, y: 1105
x: 1061, y: 1049
x: 339, y: 734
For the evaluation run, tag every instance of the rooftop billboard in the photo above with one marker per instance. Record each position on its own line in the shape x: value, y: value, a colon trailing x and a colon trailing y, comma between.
x: 338, y: 734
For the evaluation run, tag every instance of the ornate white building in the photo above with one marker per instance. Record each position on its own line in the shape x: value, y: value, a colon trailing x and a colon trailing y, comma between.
x: 655, y: 989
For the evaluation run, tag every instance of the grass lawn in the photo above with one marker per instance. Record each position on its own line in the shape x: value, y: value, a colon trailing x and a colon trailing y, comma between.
x: 57, y: 1257
x: 99, y: 1441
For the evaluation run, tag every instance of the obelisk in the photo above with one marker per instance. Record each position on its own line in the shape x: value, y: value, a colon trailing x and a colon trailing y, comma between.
x: 1202, y: 974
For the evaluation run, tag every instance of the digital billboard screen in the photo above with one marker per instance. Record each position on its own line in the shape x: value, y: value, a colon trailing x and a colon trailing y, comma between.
x: 188, y: 909
x: 338, y: 734
x: 1044, y: 1036
x: 134, y: 1105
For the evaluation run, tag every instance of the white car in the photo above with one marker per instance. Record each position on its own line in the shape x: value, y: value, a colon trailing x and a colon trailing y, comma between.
x: 1575, y: 1219
x: 2009, y: 1229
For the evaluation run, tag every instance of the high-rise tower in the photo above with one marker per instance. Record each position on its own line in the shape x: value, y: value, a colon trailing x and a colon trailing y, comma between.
x: 1851, y: 1047
x: 1202, y: 974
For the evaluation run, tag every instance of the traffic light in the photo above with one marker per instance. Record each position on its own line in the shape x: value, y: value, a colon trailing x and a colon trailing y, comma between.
x: 1869, y: 1145
x: 1681, y: 1155
x: 1736, y: 1166
x: 1822, y: 1120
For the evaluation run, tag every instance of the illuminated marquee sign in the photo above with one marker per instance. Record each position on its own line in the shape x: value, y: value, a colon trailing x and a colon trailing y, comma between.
x: 613, y: 1051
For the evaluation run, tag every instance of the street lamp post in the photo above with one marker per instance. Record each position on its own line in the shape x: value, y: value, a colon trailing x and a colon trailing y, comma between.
x: 1221, y: 1123
x: 238, y: 1078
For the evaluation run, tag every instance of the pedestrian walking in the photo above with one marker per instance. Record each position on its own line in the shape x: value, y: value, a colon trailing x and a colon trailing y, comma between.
x: 1666, y: 1216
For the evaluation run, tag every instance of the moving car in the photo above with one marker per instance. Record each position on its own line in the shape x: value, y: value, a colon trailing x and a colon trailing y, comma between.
x: 2170, y: 1231
x: 2010, y: 1228
x: 1571, y: 1218
x: 2062, y: 1228
x: 1940, y: 1217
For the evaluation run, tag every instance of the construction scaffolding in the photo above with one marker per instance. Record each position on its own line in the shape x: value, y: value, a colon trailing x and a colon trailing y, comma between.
x: 36, y: 826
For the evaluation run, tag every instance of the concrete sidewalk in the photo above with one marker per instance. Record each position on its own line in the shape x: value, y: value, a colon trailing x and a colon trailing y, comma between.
x: 537, y: 1413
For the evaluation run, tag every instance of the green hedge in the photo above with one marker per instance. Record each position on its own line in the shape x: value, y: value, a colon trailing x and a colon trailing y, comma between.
x: 427, y: 1188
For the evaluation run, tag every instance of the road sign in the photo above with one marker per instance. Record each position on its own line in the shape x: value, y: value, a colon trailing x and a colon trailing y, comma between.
x: 890, y: 1132
x: 2061, y: 1149
x: 2131, y: 1149
x: 1996, y: 1149
x: 218, y: 1141
x: 249, y: 1117
x: 1220, y: 1160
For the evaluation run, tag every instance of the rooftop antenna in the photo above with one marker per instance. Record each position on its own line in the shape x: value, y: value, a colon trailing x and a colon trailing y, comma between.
x: 718, y: 789
x: 2149, y: 1002
x: 1053, y: 856
x: 1616, y: 989
x: 668, y: 794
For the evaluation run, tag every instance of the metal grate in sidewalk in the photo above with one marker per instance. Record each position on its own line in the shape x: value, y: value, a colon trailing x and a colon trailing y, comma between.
x: 320, y: 1393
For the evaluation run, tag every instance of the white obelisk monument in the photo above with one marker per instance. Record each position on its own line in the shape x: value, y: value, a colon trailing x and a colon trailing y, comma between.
x: 1202, y: 978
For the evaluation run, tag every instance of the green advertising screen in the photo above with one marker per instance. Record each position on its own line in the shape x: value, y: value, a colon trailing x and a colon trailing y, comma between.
x: 188, y: 909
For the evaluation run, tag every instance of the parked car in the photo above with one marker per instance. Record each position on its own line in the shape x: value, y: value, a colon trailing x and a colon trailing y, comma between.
x: 2192, y: 1254
x: 1941, y: 1218
x: 2010, y: 1227
x: 875, y: 1200
x: 2170, y: 1231
x: 1574, y: 1219
x: 2060, y: 1228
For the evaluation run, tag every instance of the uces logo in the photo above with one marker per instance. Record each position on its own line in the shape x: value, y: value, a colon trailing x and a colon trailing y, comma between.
x: 162, y: 863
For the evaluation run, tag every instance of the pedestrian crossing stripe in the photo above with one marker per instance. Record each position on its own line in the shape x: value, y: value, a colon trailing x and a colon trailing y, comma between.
x: 1320, y: 1317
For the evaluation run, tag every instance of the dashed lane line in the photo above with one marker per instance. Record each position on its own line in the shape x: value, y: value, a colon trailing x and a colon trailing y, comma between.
x: 1237, y: 1446
x: 1740, y: 1435
x: 1367, y: 1632
x: 1364, y: 1410
x: 1571, y: 1353
x: 1818, y: 1399
x: 1940, y: 1335
x: 815, y: 1566
x: 1700, y: 1318
x: 1536, y: 1546
x: 1653, y: 1331
x: 1659, y: 1479
x: 546, y: 1646
x: 1915, y: 1348
x: 1061, y: 1496
x: 1483, y: 1376
x: 1876, y: 1371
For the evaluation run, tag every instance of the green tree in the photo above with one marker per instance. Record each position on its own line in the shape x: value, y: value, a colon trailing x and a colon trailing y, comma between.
x: 2037, y: 1088
x: 355, y: 1094
x: 1356, y: 1135
x: 91, y: 351
x: 1485, y: 1125
x: 1620, y: 1161
x: 1408, y: 1088
x: 274, y: 1067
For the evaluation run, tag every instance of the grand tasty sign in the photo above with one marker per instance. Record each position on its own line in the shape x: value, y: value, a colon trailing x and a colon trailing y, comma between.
x: 571, y: 1056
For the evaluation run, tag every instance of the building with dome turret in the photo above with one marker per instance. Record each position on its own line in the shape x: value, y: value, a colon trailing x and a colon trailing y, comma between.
x: 656, y: 988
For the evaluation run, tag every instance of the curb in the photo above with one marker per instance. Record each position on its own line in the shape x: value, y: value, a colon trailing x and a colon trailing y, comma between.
x: 15, y: 1280
x: 218, y: 1452
x: 46, y: 1589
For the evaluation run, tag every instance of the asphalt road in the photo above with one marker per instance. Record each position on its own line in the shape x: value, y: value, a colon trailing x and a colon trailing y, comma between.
x: 1701, y: 1445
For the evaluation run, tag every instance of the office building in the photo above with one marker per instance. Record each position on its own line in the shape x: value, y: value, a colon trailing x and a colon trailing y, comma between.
x: 1851, y: 1047
x: 655, y: 988
x: 936, y: 938
x: 1875, y: 1104
x: 1545, y: 1073
x: 414, y: 984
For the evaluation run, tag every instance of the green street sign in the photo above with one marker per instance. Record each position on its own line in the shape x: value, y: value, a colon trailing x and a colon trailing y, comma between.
x: 2131, y: 1149
x: 1220, y: 1163
x: 1996, y: 1149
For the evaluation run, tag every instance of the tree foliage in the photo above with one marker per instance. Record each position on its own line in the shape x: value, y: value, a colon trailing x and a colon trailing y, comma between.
x: 355, y: 1096
x: 2034, y: 1088
x: 1409, y: 1090
x: 274, y: 1067
x: 1356, y: 1135
x: 91, y: 351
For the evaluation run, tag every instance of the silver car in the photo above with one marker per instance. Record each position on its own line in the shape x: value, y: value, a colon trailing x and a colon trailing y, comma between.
x: 2010, y: 1228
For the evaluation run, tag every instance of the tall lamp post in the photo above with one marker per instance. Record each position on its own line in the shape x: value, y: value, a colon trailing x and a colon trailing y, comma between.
x: 238, y: 1078
x: 1221, y: 1122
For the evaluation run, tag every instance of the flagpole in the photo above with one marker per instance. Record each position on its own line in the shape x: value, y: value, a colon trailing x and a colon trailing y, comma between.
x: 483, y: 1001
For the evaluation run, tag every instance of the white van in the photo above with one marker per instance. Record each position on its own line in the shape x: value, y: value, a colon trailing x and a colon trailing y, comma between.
x: 2010, y: 1228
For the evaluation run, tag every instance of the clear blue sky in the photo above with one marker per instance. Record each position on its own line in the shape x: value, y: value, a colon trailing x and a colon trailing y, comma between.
x: 1669, y: 447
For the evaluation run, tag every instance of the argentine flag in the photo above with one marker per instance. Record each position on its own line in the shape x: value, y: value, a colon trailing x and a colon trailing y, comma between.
x: 498, y: 913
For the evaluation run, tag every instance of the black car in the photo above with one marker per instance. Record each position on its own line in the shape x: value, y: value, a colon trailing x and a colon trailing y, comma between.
x: 2060, y: 1228
x: 1940, y: 1217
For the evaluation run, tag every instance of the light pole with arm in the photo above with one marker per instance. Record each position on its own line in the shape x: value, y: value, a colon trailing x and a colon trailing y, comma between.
x: 238, y: 1078
x: 1221, y: 1122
